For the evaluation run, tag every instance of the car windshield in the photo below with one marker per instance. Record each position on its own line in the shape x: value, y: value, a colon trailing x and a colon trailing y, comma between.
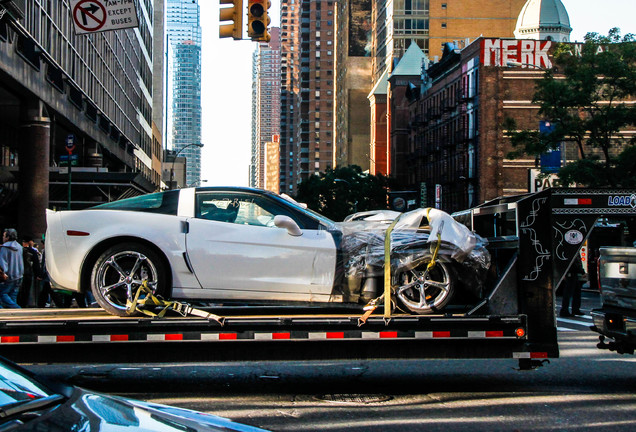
x: 18, y: 388
x: 161, y: 202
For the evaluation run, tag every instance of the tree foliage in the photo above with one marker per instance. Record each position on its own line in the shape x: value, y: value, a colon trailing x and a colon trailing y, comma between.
x: 339, y: 192
x: 588, y: 105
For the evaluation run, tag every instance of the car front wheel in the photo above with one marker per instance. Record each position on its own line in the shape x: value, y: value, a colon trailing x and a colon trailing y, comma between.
x: 119, y: 272
x: 426, y: 290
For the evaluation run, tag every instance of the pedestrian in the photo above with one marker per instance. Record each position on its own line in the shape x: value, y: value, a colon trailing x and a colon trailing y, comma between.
x: 12, y: 264
x: 27, y: 293
x: 46, y: 295
x: 572, y: 290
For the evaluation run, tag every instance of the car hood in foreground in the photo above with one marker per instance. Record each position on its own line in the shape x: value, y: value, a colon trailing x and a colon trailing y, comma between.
x: 90, y: 412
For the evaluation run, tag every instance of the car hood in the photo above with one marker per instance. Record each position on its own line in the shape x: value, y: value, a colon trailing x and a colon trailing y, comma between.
x: 88, y: 411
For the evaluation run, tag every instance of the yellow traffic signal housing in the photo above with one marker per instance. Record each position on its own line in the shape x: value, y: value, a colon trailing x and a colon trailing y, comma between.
x: 258, y: 20
x: 235, y: 14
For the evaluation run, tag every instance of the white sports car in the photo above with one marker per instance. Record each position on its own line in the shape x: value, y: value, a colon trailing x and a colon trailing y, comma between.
x: 249, y: 246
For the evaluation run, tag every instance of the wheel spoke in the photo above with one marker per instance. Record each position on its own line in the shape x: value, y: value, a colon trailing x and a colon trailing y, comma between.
x: 445, y: 286
x: 111, y: 262
x: 140, y: 259
x: 108, y: 289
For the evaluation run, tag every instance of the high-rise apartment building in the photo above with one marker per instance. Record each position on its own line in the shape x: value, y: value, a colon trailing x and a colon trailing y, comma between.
x: 265, y: 103
x: 352, y: 84
x: 183, y: 30
x: 432, y: 23
x: 93, y: 91
x: 307, y: 94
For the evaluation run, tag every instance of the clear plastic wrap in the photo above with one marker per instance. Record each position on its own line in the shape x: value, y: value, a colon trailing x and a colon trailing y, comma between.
x: 414, y: 239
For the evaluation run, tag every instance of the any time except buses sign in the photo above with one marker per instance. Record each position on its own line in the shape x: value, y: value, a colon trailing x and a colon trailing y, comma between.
x: 91, y: 16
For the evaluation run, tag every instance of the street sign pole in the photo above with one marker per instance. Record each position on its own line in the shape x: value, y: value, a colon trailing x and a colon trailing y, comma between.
x: 70, y: 146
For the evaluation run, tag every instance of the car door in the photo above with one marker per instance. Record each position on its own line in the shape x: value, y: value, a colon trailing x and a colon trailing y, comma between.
x: 237, y: 252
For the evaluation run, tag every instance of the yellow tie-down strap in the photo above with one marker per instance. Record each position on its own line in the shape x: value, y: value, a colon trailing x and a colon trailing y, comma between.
x: 151, y: 300
x: 388, y: 289
x: 373, y: 304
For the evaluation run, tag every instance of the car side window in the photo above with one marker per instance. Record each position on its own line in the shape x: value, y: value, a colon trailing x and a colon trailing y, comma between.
x: 245, y: 209
x: 217, y: 208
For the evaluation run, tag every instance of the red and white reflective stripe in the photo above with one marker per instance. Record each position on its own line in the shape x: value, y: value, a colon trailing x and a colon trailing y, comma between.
x: 272, y: 336
x: 530, y: 355
x: 380, y: 335
x: 326, y: 335
x: 52, y: 339
x: 165, y: 337
x: 110, y: 338
x: 262, y: 336
x: 577, y: 201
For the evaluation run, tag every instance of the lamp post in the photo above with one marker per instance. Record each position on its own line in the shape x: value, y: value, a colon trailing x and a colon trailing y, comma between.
x: 175, y: 159
x: 197, y: 183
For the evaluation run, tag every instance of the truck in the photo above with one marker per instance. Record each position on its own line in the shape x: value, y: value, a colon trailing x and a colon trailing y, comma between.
x: 615, y: 320
x: 532, y: 239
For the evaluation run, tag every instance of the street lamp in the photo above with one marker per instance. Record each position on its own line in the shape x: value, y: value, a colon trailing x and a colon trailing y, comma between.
x: 175, y: 159
x: 197, y: 183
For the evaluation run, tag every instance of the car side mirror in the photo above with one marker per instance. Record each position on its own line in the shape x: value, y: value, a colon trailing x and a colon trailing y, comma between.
x: 289, y: 224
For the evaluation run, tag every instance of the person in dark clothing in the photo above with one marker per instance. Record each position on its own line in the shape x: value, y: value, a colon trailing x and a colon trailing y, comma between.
x: 31, y: 260
x: 572, y: 290
x: 46, y: 295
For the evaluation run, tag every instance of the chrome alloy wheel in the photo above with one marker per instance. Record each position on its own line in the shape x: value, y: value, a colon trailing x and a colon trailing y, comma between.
x: 424, y: 290
x: 118, y: 276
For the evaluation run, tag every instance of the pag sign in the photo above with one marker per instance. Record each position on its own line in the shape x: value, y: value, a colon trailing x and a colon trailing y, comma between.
x: 92, y: 16
x: 538, y: 182
x: 499, y: 52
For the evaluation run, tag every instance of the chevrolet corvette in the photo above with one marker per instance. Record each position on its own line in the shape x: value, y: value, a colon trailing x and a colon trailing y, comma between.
x: 235, y: 245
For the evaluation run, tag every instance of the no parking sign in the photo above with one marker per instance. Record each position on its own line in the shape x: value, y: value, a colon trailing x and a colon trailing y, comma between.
x: 92, y: 16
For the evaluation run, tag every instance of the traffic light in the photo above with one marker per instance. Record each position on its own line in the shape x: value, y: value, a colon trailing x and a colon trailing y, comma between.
x: 235, y: 14
x: 258, y: 20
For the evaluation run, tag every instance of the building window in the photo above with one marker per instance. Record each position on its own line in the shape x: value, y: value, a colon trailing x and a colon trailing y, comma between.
x: 443, y: 5
x: 443, y: 25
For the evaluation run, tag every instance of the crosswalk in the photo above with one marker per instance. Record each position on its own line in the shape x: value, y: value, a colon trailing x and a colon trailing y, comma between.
x: 575, y: 323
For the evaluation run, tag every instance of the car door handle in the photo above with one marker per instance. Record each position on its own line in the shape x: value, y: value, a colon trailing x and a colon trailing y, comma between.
x: 186, y: 227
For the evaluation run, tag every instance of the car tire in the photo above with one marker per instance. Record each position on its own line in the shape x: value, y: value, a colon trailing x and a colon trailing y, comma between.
x: 437, y: 283
x: 120, y: 270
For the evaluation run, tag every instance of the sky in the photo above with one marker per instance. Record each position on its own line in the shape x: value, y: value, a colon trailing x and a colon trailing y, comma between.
x: 227, y: 81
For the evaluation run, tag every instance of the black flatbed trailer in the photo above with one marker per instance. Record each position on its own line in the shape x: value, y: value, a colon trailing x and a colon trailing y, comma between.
x: 533, y: 240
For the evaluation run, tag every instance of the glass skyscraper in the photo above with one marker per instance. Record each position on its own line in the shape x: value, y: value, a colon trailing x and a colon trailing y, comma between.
x: 183, y: 29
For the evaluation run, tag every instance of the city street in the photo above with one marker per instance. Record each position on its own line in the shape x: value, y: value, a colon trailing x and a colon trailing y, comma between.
x: 585, y: 389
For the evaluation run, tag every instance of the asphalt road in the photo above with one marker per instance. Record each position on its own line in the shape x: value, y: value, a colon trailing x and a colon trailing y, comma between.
x: 586, y: 389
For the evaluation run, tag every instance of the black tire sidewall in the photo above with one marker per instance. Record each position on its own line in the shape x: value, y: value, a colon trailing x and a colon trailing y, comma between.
x: 150, y: 254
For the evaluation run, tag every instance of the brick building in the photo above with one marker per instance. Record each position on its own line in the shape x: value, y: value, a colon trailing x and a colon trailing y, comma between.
x: 457, y: 143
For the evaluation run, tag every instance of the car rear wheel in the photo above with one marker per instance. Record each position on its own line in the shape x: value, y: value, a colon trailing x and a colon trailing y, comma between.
x: 423, y: 290
x: 119, y: 272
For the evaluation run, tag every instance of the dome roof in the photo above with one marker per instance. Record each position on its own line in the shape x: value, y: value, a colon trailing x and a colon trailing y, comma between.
x: 543, y: 19
x: 542, y: 13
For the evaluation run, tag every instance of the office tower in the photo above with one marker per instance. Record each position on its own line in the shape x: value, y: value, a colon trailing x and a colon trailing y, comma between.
x: 183, y: 30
